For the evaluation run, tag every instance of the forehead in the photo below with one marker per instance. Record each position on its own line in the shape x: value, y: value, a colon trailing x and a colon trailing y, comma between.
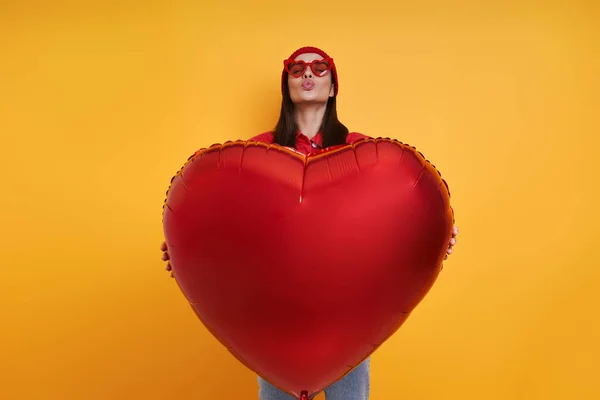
x: 308, y: 57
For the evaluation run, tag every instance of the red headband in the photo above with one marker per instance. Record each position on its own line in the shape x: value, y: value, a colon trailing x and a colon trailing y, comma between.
x: 304, y: 50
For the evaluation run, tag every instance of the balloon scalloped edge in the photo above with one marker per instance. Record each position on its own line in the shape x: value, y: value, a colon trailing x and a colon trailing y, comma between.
x: 306, y: 159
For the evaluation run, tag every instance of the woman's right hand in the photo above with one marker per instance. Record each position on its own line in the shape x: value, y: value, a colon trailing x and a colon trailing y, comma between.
x: 165, y: 257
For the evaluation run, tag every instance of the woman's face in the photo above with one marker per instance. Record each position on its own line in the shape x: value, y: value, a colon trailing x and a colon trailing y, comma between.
x: 310, y: 87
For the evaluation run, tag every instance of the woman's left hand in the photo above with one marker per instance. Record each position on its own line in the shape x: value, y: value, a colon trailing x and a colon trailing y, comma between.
x: 452, y: 242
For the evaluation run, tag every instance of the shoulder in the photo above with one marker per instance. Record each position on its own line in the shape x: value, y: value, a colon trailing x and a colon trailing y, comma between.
x: 355, y: 136
x: 265, y: 137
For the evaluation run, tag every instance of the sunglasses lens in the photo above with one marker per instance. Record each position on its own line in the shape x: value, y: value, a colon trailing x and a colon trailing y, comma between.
x: 296, y: 69
x: 320, y: 68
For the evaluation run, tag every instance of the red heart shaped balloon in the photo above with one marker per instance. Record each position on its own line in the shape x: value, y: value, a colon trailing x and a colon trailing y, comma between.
x: 303, y: 265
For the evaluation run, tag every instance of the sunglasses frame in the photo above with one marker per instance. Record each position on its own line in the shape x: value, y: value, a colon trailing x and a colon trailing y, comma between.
x: 286, y: 64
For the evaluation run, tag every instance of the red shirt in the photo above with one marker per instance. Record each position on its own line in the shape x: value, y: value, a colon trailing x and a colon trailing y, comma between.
x: 305, y: 145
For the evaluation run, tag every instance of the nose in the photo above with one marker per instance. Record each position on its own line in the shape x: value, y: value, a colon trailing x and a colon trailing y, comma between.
x: 308, y: 72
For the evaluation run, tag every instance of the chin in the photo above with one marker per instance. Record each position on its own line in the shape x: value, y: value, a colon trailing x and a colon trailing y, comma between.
x: 309, y: 97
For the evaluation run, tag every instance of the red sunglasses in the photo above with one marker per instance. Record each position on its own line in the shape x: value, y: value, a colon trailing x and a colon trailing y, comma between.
x: 318, y: 67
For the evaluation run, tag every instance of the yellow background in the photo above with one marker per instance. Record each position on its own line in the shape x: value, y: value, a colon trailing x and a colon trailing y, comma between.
x: 102, y: 102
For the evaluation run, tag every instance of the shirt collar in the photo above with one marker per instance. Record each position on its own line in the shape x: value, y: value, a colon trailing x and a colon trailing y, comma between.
x: 318, y: 138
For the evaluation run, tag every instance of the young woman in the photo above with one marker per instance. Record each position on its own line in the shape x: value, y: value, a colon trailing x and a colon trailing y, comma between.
x: 308, y: 121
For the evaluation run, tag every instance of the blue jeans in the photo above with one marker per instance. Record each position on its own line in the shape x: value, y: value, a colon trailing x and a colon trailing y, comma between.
x: 354, y: 386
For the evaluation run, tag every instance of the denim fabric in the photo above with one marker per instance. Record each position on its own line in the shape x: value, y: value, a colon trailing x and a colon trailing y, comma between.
x: 354, y: 386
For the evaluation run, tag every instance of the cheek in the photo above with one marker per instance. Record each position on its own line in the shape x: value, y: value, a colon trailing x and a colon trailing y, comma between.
x: 294, y: 82
x: 324, y: 84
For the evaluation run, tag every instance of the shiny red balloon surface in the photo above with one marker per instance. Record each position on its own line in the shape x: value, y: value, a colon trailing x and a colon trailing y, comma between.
x: 303, y: 265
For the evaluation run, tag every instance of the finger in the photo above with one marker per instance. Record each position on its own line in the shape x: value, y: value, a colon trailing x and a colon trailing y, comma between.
x: 449, y: 251
x: 163, y: 246
x: 452, y: 242
x: 168, y: 267
x: 165, y: 256
x: 446, y: 257
x: 172, y: 275
x: 455, y: 230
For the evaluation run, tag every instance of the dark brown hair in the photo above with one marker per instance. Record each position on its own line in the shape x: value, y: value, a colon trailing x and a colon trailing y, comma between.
x: 333, y: 131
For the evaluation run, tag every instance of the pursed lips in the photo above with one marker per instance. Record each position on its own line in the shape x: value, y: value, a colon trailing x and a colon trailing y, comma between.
x: 308, y: 84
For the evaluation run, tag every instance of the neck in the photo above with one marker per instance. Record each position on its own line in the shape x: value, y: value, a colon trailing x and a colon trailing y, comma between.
x: 309, y: 118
